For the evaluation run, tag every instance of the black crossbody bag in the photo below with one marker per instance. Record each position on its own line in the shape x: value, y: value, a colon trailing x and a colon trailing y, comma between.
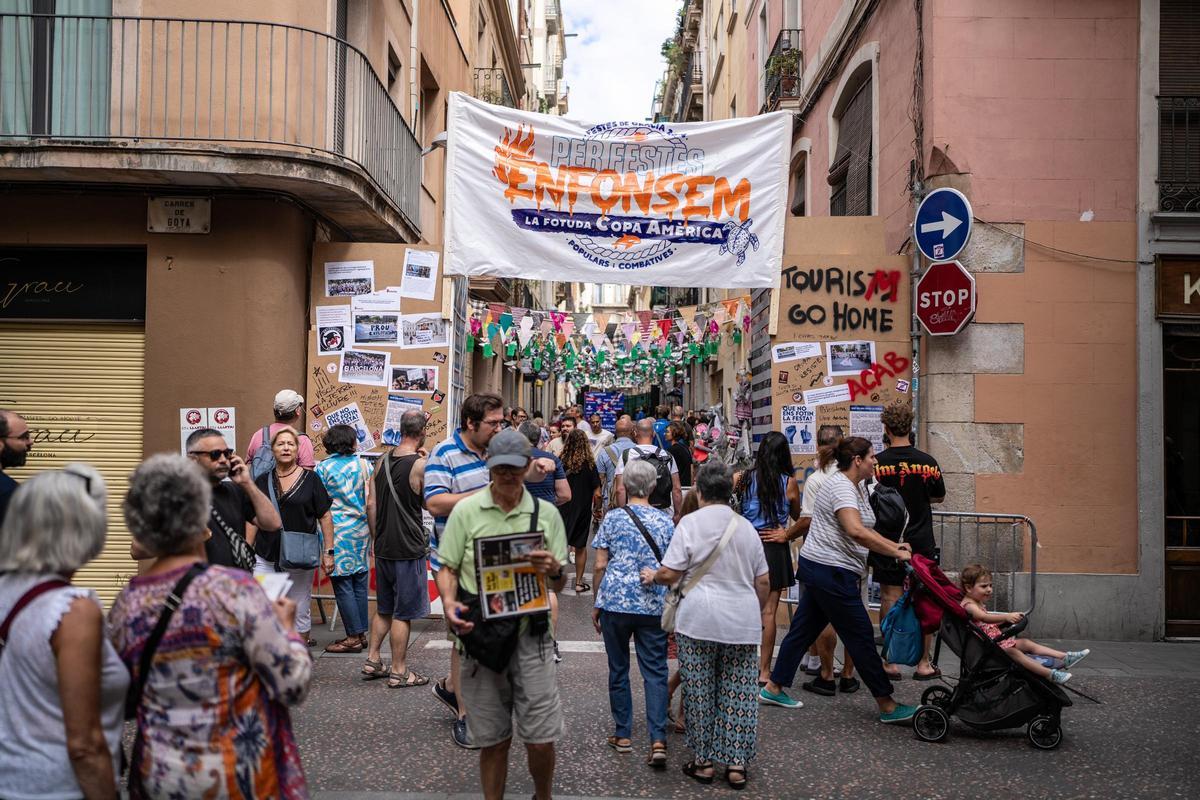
x: 493, y: 642
x: 645, y: 533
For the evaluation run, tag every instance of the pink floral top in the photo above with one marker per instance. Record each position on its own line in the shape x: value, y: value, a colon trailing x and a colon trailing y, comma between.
x: 214, y: 712
x: 991, y: 629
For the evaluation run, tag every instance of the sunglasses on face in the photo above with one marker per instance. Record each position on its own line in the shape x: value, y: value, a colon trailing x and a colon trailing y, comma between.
x: 213, y: 455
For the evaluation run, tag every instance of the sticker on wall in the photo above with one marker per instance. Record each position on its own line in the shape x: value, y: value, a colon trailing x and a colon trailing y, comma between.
x: 439, y: 357
x: 798, y: 424
x: 798, y: 397
x: 331, y: 339
x: 902, y: 387
x: 849, y: 358
x: 316, y: 426
x: 783, y: 376
x: 827, y: 380
x: 438, y: 397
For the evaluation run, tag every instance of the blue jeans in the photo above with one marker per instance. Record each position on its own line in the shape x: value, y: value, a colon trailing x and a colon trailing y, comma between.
x: 650, y: 642
x: 351, y: 594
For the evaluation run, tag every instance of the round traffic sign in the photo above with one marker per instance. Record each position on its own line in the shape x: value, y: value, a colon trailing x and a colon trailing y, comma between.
x: 942, y: 225
x: 945, y: 298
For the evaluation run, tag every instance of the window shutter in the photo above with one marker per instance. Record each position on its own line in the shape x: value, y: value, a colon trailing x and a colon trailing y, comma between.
x: 850, y: 174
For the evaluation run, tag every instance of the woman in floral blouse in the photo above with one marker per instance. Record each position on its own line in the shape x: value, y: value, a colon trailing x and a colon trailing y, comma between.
x: 626, y: 608
x: 213, y: 718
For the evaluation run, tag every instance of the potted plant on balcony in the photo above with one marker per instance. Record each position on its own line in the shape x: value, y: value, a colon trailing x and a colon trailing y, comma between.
x: 786, y: 66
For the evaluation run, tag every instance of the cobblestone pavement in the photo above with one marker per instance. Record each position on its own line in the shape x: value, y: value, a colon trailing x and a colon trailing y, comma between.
x: 361, y: 740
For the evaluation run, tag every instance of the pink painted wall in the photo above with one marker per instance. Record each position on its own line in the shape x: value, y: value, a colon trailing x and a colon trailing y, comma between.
x: 1038, y: 101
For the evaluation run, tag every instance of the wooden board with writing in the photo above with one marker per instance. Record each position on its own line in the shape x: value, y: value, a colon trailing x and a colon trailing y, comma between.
x: 1178, y: 287
x: 400, y: 358
x: 842, y: 349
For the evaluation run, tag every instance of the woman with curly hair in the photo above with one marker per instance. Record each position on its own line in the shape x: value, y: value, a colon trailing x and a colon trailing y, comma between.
x: 584, y: 505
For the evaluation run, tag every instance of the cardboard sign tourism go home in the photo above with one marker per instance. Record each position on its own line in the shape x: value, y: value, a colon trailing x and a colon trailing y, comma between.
x: 666, y: 204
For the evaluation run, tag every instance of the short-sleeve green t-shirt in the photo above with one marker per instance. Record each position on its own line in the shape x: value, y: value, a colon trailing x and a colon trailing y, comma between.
x: 478, y: 516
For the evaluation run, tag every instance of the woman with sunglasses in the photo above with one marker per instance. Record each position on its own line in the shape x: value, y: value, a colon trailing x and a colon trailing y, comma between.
x: 304, y: 504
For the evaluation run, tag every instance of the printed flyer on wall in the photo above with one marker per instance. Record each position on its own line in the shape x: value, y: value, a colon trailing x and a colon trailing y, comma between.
x: 509, y: 586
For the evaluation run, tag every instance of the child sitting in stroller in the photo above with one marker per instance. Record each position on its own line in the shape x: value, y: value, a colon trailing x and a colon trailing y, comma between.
x: 976, y: 581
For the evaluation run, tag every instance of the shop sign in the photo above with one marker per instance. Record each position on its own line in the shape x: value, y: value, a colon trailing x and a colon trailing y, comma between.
x: 73, y: 283
x: 179, y: 215
x: 1178, y: 288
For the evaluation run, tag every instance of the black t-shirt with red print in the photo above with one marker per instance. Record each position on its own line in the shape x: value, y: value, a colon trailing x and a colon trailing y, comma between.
x: 918, y: 478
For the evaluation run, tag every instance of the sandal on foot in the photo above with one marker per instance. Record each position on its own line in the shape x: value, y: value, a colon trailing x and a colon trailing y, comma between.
x: 347, y: 645
x: 406, y: 680
x: 620, y: 745
x: 737, y: 785
x: 658, y: 755
x: 372, y: 670
x: 580, y: 588
x: 692, y: 770
x: 932, y: 675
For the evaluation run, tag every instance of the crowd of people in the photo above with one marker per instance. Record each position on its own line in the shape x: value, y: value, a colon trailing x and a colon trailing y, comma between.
x: 686, y: 555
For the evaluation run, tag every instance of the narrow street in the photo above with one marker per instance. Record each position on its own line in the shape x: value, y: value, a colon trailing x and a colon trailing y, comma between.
x: 361, y: 740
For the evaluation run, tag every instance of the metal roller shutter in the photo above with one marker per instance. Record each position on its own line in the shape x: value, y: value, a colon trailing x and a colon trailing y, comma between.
x: 80, y: 387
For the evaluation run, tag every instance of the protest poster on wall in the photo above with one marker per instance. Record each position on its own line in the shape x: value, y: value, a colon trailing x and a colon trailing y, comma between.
x: 363, y: 370
x: 663, y: 204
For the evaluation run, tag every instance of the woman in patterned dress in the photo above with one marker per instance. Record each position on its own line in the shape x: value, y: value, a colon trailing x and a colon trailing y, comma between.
x: 347, y: 481
x: 627, y: 609
x: 718, y: 651
x: 213, y: 718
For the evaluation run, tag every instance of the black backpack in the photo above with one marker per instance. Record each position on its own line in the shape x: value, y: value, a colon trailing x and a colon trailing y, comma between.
x: 661, y: 460
x: 891, y: 515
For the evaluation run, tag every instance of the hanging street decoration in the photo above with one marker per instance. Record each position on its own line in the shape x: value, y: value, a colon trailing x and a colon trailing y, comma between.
x: 642, y: 347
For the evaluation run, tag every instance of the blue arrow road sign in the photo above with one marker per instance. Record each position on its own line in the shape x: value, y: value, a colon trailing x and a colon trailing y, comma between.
x: 943, y: 224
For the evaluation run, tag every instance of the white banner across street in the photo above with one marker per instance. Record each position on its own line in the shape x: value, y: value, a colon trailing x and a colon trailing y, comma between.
x: 665, y: 204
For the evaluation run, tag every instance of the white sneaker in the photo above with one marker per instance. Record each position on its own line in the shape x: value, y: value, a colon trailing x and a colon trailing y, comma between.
x: 1074, y: 657
x: 571, y: 556
x: 1060, y: 676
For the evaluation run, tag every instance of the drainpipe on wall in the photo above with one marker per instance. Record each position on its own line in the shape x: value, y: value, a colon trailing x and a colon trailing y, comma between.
x: 918, y: 194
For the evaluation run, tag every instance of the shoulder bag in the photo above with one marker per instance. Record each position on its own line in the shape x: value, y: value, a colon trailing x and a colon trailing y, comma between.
x: 679, y: 591
x: 298, y: 550
x: 239, y: 548
x: 645, y: 533
x: 36, y: 591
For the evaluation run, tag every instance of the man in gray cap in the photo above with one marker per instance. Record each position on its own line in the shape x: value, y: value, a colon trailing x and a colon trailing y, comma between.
x: 526, y: 688
x: 288, y: 404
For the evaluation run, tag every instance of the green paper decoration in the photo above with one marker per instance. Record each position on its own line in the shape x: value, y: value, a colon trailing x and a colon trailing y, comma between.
x: 470, y: 343
x: 511, y: 349
x: 488, y: 352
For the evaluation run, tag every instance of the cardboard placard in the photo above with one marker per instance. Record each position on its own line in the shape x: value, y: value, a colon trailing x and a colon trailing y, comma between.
x: 345, y: 384
x: 857, y: 308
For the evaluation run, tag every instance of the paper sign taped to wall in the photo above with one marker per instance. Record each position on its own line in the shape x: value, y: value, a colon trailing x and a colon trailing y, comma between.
x: 867, y: 422
x: 831, y: 394
x: 799, y: 424
x: 791, y: 351
x: 351, y: 415
x: 349, y: 278
x: 420, y: 274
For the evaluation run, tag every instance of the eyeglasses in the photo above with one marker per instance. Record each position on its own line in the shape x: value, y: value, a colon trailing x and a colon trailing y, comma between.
x: 495, y: 423
x: 213, y: 455
x: 24, y: 437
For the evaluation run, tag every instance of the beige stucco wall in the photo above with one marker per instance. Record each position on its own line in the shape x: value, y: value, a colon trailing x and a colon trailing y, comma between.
x: 226, y: 316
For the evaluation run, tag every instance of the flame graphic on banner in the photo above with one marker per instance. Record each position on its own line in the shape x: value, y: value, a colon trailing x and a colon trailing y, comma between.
x: 512, y: 148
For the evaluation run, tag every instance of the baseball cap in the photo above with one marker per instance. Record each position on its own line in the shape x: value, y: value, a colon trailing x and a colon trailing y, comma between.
x: 508, y: 449
x: 288, y: 400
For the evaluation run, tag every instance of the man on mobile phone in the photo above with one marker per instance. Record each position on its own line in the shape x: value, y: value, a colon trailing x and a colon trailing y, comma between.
x: 236, y: 501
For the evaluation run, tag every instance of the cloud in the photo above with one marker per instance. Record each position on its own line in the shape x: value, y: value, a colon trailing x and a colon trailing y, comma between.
x: 613, y: 64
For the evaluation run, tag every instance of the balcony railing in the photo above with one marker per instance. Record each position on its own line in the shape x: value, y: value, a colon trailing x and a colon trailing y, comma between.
x: 691, y: 86
x: 782, y: 71
x: 139, y: 80
x: 491, y: 86
x: 1179, y: 153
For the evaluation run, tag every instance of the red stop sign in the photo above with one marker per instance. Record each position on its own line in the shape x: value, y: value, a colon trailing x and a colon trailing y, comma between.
x: 945, y: 298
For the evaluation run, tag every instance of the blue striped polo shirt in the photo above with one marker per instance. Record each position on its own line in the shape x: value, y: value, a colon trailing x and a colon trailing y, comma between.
x: 452, y: 467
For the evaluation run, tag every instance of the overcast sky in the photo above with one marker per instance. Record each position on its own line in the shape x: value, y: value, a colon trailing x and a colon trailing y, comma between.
x: 612, y: 65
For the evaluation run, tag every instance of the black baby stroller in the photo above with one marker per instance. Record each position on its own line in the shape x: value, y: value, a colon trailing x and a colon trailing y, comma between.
x: 993, y: 691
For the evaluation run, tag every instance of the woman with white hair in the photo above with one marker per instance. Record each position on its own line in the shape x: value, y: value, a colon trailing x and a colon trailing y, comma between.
x: 630, y: 538
x: 212, y: 717
x: 62, y: 685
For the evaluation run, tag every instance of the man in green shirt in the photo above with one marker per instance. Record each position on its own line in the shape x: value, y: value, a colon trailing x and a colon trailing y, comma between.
x: 527, y: 689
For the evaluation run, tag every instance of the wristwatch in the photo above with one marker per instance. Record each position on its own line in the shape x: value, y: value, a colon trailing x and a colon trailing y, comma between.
x: 329, y: 552
x: 556, y: 576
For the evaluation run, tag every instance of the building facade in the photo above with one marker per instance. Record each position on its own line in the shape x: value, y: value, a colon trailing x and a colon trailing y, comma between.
x: 1072, y: 129
x: 163, y: 181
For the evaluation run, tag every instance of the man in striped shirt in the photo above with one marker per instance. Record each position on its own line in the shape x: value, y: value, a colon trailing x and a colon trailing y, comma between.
x: 455, y: 470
